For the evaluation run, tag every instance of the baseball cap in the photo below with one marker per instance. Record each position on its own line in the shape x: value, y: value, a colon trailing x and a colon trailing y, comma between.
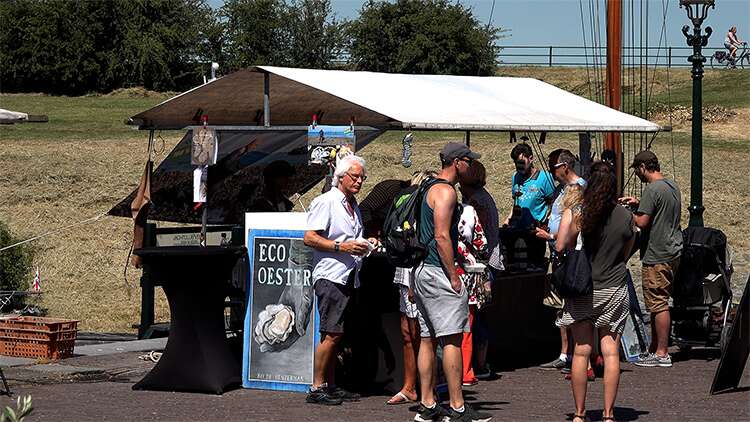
x: 643, y: 157
x: 454, y: 150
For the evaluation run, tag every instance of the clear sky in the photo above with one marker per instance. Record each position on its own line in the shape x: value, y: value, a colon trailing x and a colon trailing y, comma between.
x: 558, y: 22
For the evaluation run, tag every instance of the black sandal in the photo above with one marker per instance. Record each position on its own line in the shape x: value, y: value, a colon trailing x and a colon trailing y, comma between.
x: 608, y: 418
x: 581, y: 417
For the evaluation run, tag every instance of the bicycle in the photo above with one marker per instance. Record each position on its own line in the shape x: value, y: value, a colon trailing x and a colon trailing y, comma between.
x: 723, y: 58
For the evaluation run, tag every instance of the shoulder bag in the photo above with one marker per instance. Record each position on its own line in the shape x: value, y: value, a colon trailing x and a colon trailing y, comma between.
x: 573, y: 277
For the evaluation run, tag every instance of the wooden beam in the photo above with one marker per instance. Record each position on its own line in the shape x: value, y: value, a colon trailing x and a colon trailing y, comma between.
x: 614, y: 82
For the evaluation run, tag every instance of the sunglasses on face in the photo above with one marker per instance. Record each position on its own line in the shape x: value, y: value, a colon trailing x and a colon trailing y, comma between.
x: 356, y: 177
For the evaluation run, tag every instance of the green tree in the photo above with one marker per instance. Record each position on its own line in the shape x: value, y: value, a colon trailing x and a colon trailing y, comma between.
x: 255, y: 33
x: 150, y: 43
x: 15, y: 263
x: 422, y: 36
x: 46, y: 46
x: 316, y: 37
x: 300, y: 33
x: 77, y: 46
x: 212, y: 41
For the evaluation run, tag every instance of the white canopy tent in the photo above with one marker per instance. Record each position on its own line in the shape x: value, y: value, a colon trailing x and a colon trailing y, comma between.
x: 387, y: 101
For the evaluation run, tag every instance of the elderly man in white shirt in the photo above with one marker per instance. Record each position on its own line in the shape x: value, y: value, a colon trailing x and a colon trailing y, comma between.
x: 335, y: 234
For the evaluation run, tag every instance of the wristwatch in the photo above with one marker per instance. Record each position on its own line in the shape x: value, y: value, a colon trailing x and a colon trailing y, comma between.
x: 336, y: 246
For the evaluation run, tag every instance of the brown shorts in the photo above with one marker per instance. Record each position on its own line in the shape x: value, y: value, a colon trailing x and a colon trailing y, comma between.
x: 657, y: 284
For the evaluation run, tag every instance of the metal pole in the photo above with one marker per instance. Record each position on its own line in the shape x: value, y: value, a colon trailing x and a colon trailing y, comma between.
x: 669, y: 59
x: 584, y: 153
x: 147, y: 287
x: 266, y: 99
x: 467, y: 139
x: 550, y: 56
x: 697, y: 41
x: 204, y: 222
x: 696, y: 152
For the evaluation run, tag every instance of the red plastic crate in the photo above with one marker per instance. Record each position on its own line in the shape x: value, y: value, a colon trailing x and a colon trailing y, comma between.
x: 37, y: 337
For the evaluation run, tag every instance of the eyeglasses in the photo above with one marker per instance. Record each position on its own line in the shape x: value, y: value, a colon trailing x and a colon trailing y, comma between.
x: 356, y: 177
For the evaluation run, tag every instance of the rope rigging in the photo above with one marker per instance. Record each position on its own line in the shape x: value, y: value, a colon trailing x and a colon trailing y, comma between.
x: 637, y: 76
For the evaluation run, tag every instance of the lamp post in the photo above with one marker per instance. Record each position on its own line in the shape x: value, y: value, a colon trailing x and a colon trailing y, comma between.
x: 697, y: 11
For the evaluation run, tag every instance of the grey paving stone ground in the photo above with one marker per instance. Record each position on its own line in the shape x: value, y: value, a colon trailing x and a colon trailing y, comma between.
x: 121, y: 346
x: 646, y: 394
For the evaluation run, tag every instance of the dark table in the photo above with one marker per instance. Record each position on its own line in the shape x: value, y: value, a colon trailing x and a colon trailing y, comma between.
x: 196, y: 280
x: 521, y: 329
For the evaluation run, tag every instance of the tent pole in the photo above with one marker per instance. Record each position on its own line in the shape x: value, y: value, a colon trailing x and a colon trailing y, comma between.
x: 204, y: 222
x: 584, y: 153
x: 266, y: 99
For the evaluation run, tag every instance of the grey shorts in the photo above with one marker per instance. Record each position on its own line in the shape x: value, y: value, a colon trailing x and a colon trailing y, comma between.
x: 442, y: 311
x: 333, y: 301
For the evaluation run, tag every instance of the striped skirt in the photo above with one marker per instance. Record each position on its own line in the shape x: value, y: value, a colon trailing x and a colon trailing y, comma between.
x: 604, y: 308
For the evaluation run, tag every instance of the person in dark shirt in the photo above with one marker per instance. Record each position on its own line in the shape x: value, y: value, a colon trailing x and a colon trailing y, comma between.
x: 605, y: 231
x: 658, y: 215
x: 276, y: 177
x: 376, y: 204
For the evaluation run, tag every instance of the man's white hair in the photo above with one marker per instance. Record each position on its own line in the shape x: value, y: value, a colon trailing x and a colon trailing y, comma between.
x: 344, y: 165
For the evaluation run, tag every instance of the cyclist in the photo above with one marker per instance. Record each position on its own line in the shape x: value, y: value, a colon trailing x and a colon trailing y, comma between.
x: 731, y: 42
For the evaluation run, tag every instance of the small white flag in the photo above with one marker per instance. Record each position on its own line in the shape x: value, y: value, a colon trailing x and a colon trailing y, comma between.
x: 37, y: 281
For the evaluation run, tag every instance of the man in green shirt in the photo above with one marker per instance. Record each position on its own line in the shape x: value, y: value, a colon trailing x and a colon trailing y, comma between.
x: 658, y: 216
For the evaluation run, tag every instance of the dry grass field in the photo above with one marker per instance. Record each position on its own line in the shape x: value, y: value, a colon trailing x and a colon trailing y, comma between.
x: 85, y: 160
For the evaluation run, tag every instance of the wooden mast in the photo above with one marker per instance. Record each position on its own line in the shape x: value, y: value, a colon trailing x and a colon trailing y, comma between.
x: 614, y: 81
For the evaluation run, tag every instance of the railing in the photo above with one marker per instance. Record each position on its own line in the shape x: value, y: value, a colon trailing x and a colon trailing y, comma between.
x: 535, y: 55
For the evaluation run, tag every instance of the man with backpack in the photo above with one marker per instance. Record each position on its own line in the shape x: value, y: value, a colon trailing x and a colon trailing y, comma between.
x: 658, y: 216
x: 441, y: 298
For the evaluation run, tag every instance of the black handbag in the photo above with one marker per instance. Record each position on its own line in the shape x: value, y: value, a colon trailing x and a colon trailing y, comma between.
x: 572, y: 277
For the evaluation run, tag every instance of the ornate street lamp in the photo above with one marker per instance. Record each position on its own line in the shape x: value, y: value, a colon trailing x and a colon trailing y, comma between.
x: 697, y: 11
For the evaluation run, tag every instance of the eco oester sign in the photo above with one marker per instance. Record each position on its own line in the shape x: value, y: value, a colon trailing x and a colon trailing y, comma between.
x: 281, y: 323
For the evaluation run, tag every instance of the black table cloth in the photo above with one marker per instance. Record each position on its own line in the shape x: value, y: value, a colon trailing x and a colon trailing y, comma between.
x: 196, y: 280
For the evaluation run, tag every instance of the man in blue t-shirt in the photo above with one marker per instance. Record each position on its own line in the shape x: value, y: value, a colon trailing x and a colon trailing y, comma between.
x: 532, y: 190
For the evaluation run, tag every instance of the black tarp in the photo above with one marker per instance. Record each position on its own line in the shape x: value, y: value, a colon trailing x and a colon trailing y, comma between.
x: 235, y: 180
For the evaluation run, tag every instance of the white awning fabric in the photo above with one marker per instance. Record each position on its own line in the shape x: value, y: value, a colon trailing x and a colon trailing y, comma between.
x: 9, y: 117
x: 385, y: 100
